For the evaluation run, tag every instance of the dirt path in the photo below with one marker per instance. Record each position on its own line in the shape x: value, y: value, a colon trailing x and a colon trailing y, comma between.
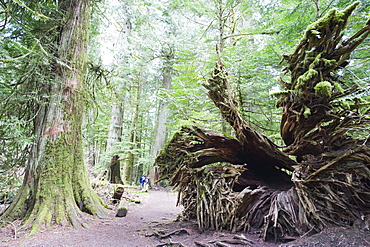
x: 154, y: 216
x: 146, y: 224
x: 155, y: 207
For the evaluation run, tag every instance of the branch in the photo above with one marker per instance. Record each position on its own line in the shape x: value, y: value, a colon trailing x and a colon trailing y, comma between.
x: 251, y: 34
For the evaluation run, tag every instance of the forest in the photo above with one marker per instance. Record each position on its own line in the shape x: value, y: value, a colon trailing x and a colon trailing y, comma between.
x: 256, y: 111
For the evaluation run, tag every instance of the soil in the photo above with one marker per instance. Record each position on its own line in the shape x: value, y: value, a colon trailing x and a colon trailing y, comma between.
x: 153, y: 222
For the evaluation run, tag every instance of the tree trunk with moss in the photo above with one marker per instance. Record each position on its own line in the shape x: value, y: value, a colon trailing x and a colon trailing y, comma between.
x: 114, y: 136
x: 56, y: 188
x: 130, y: 159
x: 262, y: 187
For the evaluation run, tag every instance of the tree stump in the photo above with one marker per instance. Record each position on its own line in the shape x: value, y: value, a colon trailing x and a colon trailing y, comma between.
x: 117, y: 195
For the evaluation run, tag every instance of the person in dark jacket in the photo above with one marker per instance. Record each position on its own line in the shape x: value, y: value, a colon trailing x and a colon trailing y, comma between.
x: 142, y: 181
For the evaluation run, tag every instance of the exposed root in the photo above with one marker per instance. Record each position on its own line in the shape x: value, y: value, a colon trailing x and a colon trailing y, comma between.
x: 163, y: 234
x: 14, y: 227
x: 173, y: 244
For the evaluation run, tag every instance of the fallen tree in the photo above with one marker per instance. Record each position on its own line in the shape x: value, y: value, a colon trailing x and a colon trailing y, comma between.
x: 261, y: 186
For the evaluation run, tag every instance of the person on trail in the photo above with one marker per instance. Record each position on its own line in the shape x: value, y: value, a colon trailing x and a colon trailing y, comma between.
x: 146, y: 183
x: 142, y: 181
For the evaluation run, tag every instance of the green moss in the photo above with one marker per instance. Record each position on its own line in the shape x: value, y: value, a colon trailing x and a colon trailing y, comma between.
x: 35, y: 228
x: 306, y: 112
x: 315, y: 62
x: 348, y: 11
x: 306, y: 77
x: 323, y: 88
x: 338, y: 86
x: 346, y: 105
x: 322, y: 22
x: 282, y: 93
x: 329, y: 63
x: 332, y: 18
x: 308, y: 61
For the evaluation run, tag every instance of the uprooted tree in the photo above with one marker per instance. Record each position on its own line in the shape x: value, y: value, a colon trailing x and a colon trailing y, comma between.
x: 262, y: 186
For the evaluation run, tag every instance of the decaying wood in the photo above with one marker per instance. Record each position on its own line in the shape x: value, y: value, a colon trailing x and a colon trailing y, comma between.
x: 124, y: 201
x: 236, y: 240
x: 261, y: 154
x: 118, y: 192
x: 13, y: 225
x: 312, y: 122
x: 248, y: 182
x: 122, y: 209
x: 197, y: 243
x: 194, y: 147
x: 245, y: 239
x: 221, y: 244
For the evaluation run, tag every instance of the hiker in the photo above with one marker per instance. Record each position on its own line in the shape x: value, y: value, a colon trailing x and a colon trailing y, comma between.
x: 142, y: 181
x: 146, y: 183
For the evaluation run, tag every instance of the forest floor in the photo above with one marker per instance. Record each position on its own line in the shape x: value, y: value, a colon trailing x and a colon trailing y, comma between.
x: 153, y: 222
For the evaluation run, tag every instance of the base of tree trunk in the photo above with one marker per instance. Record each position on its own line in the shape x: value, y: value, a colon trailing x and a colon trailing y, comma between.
x: 56, y: 200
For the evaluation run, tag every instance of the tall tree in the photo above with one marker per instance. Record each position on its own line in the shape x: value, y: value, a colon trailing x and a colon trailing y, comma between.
x: 115, y: 136
x: 55, y: 187
x: 163, y: 111
x: 115, y: 41
x: 134, y: 131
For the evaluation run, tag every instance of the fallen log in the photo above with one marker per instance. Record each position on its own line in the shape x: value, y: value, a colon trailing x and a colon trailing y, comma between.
x: 122, y: 209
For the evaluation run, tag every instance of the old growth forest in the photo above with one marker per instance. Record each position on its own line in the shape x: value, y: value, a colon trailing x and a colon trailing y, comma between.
x: 255, y: 112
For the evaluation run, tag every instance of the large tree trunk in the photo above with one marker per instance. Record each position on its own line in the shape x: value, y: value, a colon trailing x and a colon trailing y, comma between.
x: 133, y: 138
x: 162, y: 114
x: 327, y: 185
x: 114, y: 136
x: 55, y: 187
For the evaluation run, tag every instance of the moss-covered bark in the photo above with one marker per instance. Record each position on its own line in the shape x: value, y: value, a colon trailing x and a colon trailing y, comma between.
x: 310, y: 102
x: 56, y: 188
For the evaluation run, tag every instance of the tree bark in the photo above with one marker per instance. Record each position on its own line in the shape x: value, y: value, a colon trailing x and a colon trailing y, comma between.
x: 130, y: 158
x: 55, y: 188
x: 114, y: 136
x: 163, y: 111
